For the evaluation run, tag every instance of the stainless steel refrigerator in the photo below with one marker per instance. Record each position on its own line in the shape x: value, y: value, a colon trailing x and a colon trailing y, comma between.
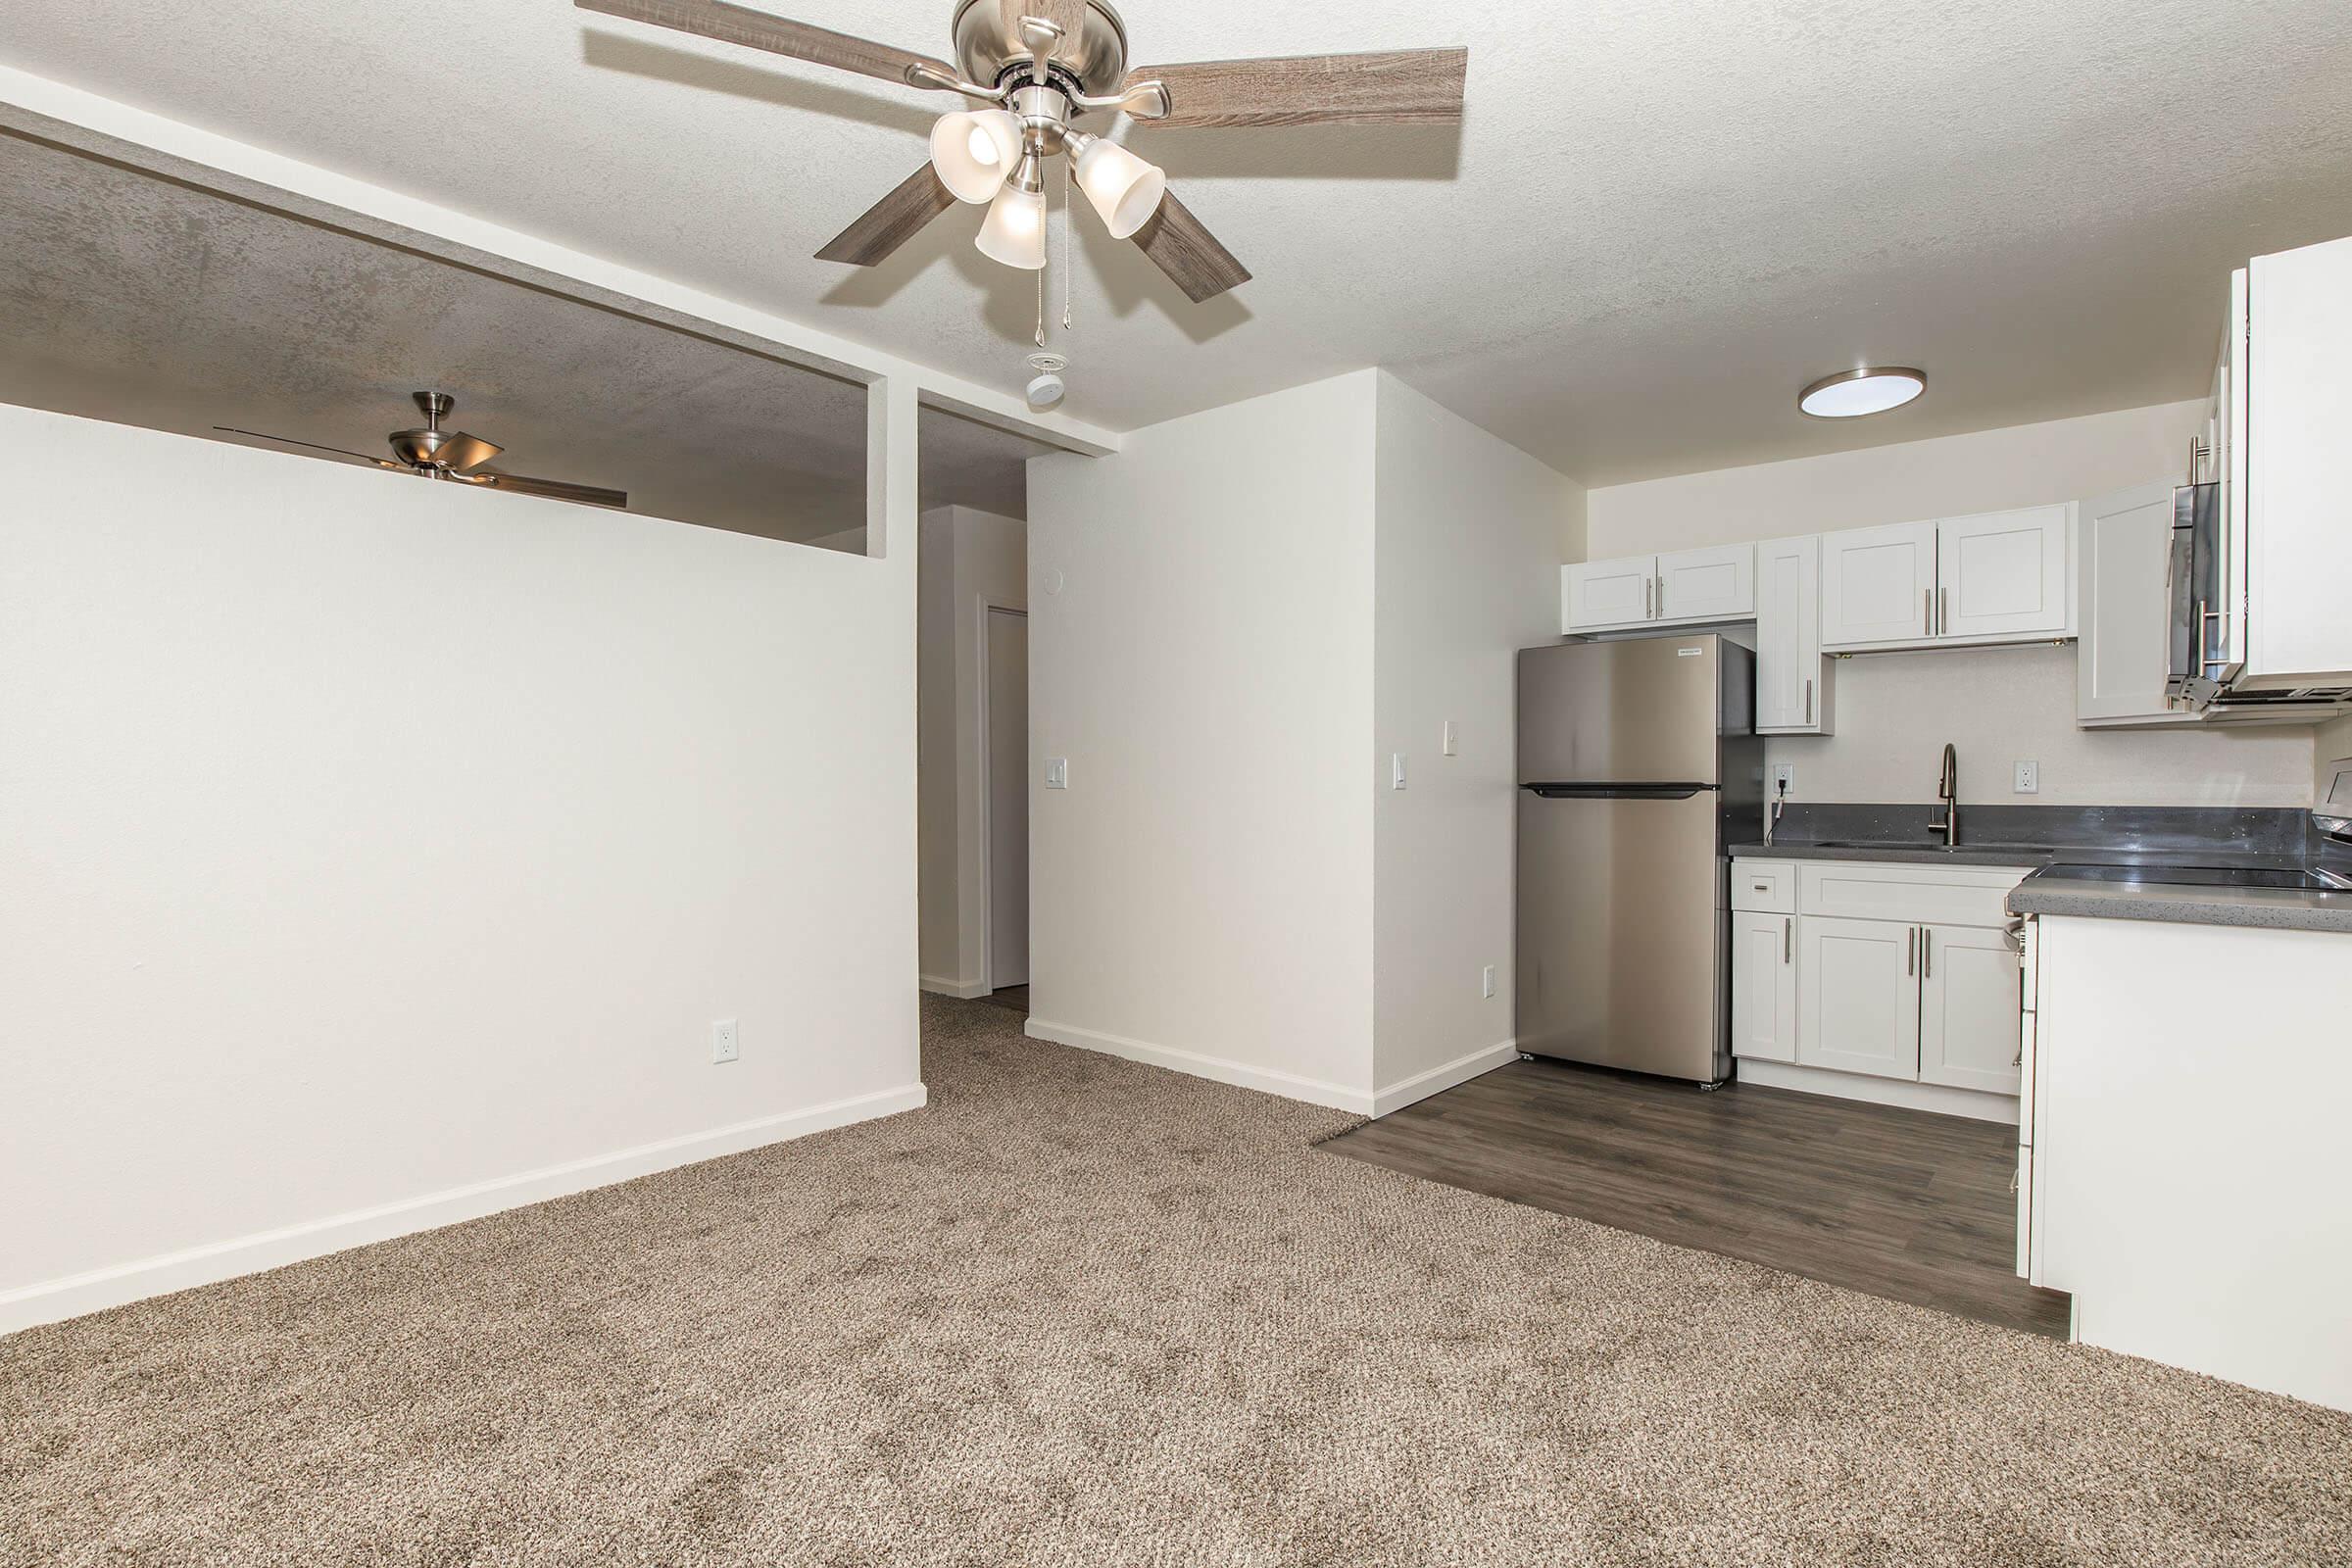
x: 1637, y: 762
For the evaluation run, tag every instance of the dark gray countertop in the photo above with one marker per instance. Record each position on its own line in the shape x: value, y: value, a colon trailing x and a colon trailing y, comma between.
x: 2270, y: 908
x: 1904, y: 854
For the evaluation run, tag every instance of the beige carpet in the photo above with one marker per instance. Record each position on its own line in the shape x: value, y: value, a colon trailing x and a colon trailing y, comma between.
x: 1085, y: 1312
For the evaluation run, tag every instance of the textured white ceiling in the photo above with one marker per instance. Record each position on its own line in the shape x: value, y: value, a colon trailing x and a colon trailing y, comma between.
x: 1661, y: 217
x: 129, y: 298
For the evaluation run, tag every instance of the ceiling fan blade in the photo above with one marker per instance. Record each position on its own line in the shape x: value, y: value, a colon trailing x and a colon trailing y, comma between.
x: 463, y: 452
x: 756, y: 29
x: 1181, y: 247
x: 890, y: 222
x: 289, y: 441
x: 1402, y: 87
x: 554, y: 489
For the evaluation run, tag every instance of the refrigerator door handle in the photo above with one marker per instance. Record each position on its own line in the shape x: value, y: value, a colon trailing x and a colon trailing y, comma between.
x: 1616, y: 792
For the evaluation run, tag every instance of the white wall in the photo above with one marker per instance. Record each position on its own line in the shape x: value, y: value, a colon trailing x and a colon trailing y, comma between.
x: 1471, y: 533
x: 970, y: 559
x: 1202, y: 893
x: 1997, y: 705
x: 2022, y: 465
x: 375, y: 852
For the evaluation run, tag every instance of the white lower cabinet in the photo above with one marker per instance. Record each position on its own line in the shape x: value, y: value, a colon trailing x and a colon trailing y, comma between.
x: 1968, y: 1009
x: 1764, y: 986
x: 1901, y: 973
x: 1858, y: 997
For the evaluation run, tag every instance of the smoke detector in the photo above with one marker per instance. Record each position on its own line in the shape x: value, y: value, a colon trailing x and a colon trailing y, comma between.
x: 1046, y: 390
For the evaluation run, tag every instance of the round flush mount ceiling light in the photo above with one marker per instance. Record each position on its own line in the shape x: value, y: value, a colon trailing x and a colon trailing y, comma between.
x: 1851, y: 394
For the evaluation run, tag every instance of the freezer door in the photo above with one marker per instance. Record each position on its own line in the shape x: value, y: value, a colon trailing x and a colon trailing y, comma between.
x: 1621, y: 933
x: 1644, y: 710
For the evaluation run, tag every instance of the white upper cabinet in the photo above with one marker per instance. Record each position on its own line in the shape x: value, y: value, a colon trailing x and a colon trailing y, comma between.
x: 1792, y: 678
x: 2121, y: 610
x: 1680, y: 589
x: 1596, y: 595
x: 2002, y: 575
x: 2296, y: 454
x: 1878, y: 586
x: 1714, y: 584
x: 1968, y: 1010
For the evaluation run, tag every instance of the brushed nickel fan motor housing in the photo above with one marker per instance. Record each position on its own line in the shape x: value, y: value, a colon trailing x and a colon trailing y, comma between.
x: 988, y: 44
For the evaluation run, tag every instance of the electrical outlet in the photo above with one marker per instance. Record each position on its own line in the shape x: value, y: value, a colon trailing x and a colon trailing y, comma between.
x: 1783, y: 778
x: 1057, y: 773
x: 2029, y: 778
x: 1486, y: 981
x: 725, y: 1045
x: 1451, y: 739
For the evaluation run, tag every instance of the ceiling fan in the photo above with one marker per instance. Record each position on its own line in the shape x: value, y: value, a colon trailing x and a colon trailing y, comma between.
x: 1036, y: 67
x: 439, y: 454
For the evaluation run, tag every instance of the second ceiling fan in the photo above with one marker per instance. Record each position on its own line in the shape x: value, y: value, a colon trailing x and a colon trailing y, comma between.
x: 1035, y: 68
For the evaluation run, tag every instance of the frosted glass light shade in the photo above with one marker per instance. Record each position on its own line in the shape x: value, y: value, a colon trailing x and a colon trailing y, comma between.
x: 1014, y: 232
x: 1851, y: 394
x: 1123, y: 188
x: 973, y: 151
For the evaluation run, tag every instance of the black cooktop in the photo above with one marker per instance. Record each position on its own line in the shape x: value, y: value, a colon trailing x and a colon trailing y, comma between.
x: 2199, y: 876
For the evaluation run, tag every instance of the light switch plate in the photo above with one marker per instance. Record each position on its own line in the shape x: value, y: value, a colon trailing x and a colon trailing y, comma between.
x: 1453, y: 739
x: 2029, y: 778
x: 1057, y: 773
x: 1486, y: 981
x: 1396, y: 771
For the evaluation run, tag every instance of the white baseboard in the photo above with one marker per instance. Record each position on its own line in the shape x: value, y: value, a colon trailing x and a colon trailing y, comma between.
x: 1314, y: 1090
x: 1438, y: 1080
x: 49, y: 1300
x: 1941, y: 1099
x: 966, y: 990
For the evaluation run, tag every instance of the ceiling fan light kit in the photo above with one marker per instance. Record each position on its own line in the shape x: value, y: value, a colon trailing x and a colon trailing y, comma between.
x: 433, y: 453
x: 973, y: 150
x: 1037, y: 66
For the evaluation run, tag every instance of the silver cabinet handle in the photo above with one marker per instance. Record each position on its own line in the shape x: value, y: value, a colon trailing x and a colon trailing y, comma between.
x: 1927, y: 612
x: 1661, y: 596
x: 1808, y: 702
x: 1943, y: 611
x: 1926, y: 954
x: 1910, y: 949
x: 1647, y: 611
x: 1788, y: 940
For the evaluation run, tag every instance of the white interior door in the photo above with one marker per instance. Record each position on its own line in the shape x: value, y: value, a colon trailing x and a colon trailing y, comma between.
x: 2003, y: 574
x: 1007, y: 799
x: 1967, y: 1010
x: 1857, y: 996
x: 1878, y: 586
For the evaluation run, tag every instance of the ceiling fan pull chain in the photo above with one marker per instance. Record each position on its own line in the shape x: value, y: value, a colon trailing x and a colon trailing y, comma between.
x: 1069, y: 220
x: 1040, y: 307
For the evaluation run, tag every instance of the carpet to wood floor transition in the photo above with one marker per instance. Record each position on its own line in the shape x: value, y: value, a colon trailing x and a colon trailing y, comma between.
x: 1082, y: 1311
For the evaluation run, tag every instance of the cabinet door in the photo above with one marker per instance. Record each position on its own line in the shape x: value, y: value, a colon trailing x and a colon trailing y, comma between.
x: 2123, y: 612
x: 1716, y: 584
x: 2003, y: 575
x: 1857, y: 996
x: 1764, y: 986
x: 1878, y: 586
x: 1791, y: 677
x: 1968, y: 1010
x: 2298, y: 466
x: 1601, y: 594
